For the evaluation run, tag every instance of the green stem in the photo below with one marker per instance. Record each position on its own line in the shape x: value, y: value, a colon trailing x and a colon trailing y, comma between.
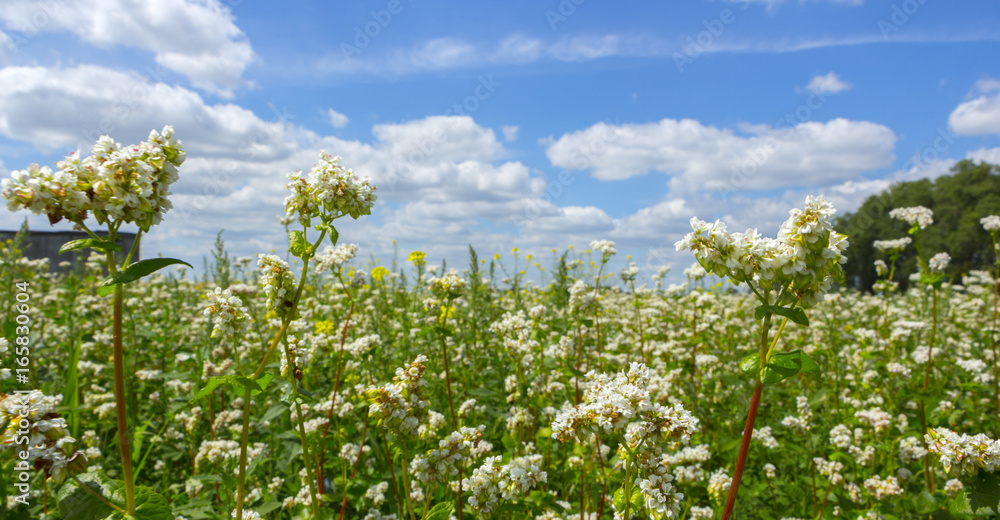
x: 244, y: 440
x: 406, y: 488
x: 313, y: 501
x: 124, y: 444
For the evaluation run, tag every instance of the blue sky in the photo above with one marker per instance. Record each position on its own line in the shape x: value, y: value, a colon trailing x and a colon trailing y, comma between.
x: 502, y: 124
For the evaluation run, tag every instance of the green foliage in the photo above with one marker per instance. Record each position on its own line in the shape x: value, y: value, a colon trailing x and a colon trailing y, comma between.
x: 222, y: 266
x: 104, y: 499
x: 135, y: 271
x: 958, y: 201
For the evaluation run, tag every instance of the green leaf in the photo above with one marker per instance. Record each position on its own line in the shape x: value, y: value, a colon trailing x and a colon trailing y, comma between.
x: 925, y: 503
x: 440, y: 511
x: 787, y: 364
x: 635, y: 499
x: 796, y: 315
x: 106, y: 287
x: 240, y: 382
x: 984, y: 491
x: 750, y: 365
x: 934, y: 280
x: 136, y: 271
x: 780, y: 366
x: 297, y: 243
x: 95, y: 243
x: 267, y: 508
x: 150, y: 505
x: 146, y: 267
x: 76, y: 503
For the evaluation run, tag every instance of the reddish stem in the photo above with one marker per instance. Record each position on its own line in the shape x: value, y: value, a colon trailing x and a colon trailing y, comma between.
x: 744, y: 449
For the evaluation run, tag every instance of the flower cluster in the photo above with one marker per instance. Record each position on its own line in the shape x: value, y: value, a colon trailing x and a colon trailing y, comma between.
x: 400, y: 406
x: 117, y: 183
x: 611, y: 403
x: 335, y: 257
x: 582, y: 298
x: 515, y: 330
x: 991, y: 223
x: 231, y: 317
x: 493, y: 482
x: 279, y: 283
x: 892, y: 247
x: 449, y: 286
x: 441, y: 463
x: 29, y: 420
x: 800, y: 263
x: 606, y: 247
x: 883, y: 489
x: 963, y: 453
x: 916, y: 216
x: 939, y: 262
x: 621, y: 406
x: 330, y: 192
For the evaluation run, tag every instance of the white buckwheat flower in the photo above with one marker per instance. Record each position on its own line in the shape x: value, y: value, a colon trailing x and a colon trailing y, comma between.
x: 990, y: 223
x: 279, y: 283
x: 914, y: 216
x: 231, y: 317
x: 939, y: 262
x: 892, y: 247
x: 332, y: 257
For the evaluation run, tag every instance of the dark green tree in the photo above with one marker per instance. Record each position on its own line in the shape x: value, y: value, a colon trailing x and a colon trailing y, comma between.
x: 958, y: 200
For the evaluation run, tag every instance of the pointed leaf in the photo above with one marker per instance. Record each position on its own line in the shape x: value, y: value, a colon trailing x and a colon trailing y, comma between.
x: 146, y: 267
x: 781, y: 366
x: 985, y: 491
x: 750, y: 365
x: 297, y: 243
x: 95, y: 243
x: 240, y: 382
x: 440, y: 511
x: 796, y: 315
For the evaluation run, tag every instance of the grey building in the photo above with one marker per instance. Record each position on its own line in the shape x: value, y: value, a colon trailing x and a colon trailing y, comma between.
x: 46, y: 244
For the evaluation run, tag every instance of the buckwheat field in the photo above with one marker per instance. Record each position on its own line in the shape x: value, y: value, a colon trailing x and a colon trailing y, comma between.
x: 321, y: 385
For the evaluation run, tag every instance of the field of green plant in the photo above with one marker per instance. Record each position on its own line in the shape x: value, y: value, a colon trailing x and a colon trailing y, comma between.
x: 330, y: 387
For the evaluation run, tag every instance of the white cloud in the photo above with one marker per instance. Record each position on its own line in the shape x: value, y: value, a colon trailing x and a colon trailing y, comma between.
x: 827, y: 84
x: 981, y: 115
x: 68, y: 108
x: 509, y: 132
x: 699, y: 157
x: 337, y: 120
x: 196, y: 38
x: 990, y: 155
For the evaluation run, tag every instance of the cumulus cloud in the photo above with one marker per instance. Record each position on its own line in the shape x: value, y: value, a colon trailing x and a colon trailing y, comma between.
x: 981, y: 115
x: 699, y: 157
x: 990, y: 155
x: 829, y: 83
x: 69, y: 108
x: 337, y: 120
x: 196, y: 38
